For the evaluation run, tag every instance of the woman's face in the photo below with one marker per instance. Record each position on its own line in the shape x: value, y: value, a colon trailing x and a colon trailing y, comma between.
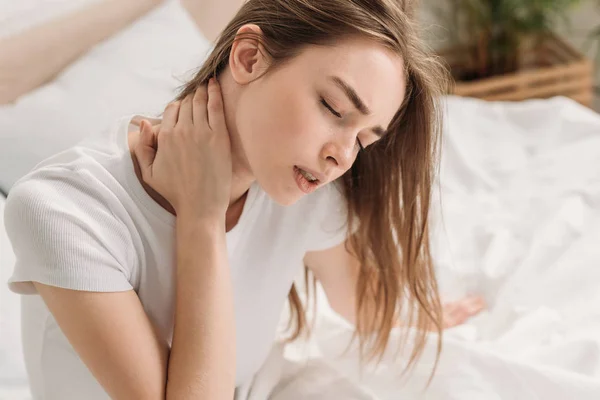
x: 311, y: 115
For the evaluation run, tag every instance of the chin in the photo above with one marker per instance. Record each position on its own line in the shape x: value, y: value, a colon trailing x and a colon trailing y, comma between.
x: 282, y: 198
x: 281, y: 193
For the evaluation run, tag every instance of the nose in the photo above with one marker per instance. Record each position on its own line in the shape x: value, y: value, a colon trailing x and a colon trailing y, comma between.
x: 339, y: 154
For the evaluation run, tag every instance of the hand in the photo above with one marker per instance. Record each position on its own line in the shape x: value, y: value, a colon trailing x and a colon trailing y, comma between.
x: 459, y: 311
x: 187, y: 158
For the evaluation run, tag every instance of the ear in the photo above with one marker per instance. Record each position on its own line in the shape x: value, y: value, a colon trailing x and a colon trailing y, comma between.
x: 248, y: 59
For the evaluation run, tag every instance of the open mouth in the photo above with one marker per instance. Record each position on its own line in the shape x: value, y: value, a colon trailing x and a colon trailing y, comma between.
x: 305, y: 180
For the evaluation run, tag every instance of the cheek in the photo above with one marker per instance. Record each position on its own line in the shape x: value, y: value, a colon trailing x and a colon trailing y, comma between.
x: 284, y: 125
x: 291, y: 119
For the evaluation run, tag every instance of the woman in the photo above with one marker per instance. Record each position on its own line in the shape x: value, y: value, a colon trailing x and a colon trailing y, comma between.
x: 168, y: 252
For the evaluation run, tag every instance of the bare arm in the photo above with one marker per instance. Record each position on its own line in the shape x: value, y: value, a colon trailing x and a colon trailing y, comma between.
x: 337, y: 271
x: 37, y: 55
x: 202, y: 364
x: 115, y: 339
x: 191, y: 168
x: 117, y: 342
x: 211, y: 16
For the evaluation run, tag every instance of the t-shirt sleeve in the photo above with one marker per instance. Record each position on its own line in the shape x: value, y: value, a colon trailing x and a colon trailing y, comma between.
x: 63, y: 234
x: 330, y: 225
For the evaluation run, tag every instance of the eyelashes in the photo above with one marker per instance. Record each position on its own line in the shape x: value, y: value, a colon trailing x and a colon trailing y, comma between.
x: 338, y: 115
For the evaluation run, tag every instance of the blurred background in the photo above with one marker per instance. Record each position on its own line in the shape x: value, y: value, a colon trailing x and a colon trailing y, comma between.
x: 558, y: 40
x: 488, y: 42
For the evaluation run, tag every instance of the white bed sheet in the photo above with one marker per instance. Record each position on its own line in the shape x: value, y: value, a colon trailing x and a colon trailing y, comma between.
x: 520, y: 185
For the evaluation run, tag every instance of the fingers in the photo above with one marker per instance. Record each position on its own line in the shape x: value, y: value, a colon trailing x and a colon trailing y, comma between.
x: 170, y: 117
x: 145, y: 150
x: 199, y: 104
x: 216, y: 115
x: 474, y: 305
x: 185, y: 111
x: 137, y: 120
x: 458, y: 312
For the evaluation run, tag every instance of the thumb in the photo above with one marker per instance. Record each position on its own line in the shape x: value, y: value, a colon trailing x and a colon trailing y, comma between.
x: 145, y: 150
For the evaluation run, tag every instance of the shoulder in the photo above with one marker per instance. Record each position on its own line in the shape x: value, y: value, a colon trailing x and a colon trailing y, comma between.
x: 56, y: 200
x: 61, y: 187
x: 63, y: 233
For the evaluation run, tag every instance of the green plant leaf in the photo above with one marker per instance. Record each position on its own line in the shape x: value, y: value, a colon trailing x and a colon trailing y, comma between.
x: 495, y: 28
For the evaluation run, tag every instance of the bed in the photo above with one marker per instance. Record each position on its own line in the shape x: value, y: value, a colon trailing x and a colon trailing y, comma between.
x: 518, y: 221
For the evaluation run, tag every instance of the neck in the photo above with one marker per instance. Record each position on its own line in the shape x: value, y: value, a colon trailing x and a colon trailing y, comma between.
x: 242, y: 174
x: 239, y: 187
x: 242, y: 177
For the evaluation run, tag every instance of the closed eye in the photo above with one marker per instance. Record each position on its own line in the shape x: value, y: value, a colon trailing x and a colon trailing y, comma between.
x: 337, y: 114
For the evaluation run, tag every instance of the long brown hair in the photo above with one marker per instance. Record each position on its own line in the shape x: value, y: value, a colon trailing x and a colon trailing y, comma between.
x: 388, y: 189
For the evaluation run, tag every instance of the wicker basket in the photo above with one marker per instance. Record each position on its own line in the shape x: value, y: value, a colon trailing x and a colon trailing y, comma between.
x: 554, y: 68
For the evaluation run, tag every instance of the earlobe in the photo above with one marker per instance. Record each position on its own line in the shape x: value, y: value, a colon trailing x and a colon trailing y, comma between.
x: 247, y: 59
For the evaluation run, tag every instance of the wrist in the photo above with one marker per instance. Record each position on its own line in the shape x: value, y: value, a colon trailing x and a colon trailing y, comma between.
x: 195, y: 211
x: 211, y: 222
x: 195, y: 236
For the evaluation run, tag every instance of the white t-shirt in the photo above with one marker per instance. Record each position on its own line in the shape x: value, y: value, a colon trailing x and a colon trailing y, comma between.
x: 82, y: 220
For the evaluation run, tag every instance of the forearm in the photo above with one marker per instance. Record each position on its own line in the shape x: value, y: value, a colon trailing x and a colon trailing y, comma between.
x: 202, y: 359
x: 35, y: 56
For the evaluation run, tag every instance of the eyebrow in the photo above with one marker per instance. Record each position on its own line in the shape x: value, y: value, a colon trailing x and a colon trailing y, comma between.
x: 356, y: 101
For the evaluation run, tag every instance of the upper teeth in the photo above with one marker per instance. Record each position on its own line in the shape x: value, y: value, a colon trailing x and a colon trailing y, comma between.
x: 307, y: 175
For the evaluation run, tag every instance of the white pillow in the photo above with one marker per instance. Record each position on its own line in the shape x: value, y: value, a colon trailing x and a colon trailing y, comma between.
x: 135, y: 71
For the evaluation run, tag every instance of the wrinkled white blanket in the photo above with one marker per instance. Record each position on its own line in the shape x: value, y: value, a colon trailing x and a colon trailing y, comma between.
x: 520, y: 187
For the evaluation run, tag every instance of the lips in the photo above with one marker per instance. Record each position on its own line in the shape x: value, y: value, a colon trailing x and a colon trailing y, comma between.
x: 304, y: 184
x: 320, y: 177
